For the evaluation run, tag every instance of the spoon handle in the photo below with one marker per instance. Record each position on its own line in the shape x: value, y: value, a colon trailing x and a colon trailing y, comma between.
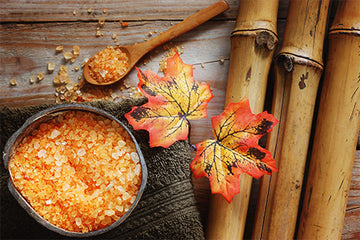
x: 188, y: 24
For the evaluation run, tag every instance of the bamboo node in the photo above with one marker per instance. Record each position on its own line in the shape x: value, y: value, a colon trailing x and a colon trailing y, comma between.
x: 266, y: 39
x: 287, y: 62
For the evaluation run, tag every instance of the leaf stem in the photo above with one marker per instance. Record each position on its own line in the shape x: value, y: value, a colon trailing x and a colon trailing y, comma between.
x: 192, y: 146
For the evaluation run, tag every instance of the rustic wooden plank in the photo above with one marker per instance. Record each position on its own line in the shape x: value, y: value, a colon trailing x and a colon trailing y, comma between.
x: 136, y: 10
x: 351, y: 228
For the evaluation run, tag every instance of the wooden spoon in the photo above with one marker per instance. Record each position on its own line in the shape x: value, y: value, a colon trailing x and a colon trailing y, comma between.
x: 136, y: 51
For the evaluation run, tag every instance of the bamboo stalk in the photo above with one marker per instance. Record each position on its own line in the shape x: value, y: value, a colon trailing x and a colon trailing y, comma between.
x: 298, y: 71
x: 336, y: 131
x: 252, y: 46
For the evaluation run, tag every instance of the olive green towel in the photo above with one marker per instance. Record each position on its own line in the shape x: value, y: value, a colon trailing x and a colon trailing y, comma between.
x: 167, y: 209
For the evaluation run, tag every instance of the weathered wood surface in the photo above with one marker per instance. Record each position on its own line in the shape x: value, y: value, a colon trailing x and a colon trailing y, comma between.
x: 135, y: 10
x: 351, y: 229
x: 30, y: 31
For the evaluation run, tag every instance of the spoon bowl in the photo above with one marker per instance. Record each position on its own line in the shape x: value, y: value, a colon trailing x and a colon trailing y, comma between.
x: 105, y: 68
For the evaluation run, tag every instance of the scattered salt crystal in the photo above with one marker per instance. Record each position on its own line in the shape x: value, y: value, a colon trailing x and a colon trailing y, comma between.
x: 48, y: 202
x: 17, y: 176
x: 68, y: 56
x: 42, y: 153
x: 130, y: 176
x: 120, y: 189
x: 54, y: 134
x: 119, y: 208
x: 58, y: 163
x: 135, y: 157
x: 94, y: 214
x: 78, y: 221
x: 57, y: 156
x: 32, y: 79
x: 82, y: 197
x: 48, y: 160
x: 57, y: 175
x: 121, y: 143
x: 36, y: 145
x: 121, y: 152
x: 126, y: 196
x: 106, y: 221
x: 51, y: 67
x: 81, y: 152
x: 40, y: 76
x: 109, y: 212
x: 59, y: 48
x: 115, y: 155
x: 103, y: 72
x: 76, y: 50
x: 108, y: 187
x: 114, y: 124
x: 137, y: 170
x: 122, y: 179
x: 66, y: 187
x: 101, y: 21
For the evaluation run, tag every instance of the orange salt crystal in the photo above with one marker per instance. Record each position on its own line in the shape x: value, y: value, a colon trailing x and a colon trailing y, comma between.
x: 13, y: 82
x: 108, y: 65
x: 124, y: 24
x: 74, y: 173
x: 101, y: 22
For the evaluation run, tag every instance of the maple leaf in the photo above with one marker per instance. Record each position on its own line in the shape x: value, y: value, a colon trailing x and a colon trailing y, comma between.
x: 235, y: 149
x: 173, y: 100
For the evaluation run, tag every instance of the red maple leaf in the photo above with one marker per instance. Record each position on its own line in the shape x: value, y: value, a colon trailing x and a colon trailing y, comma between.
x: 235, y: 149
x: 173, y: 100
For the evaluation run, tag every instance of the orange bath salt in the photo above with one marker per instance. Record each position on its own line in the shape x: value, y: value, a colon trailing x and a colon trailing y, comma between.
x: 74, y: 173
x: 108, y: 65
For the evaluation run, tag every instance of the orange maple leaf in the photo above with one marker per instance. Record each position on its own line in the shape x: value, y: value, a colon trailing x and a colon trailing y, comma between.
x: 173, y: 100
x: 235, y: 149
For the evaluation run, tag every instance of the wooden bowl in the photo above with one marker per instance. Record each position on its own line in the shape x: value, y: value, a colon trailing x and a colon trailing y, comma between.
x: 33, y: 123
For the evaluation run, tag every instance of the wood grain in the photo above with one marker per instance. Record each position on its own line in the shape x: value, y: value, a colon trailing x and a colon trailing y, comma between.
x: 352, y: 216
x: 135, y: 10
x: 296, y: 116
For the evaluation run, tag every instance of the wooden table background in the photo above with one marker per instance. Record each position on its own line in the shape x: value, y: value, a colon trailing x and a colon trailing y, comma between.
x: 31, y: 30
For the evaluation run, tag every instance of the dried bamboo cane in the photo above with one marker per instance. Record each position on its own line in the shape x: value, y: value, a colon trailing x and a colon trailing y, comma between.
x: 298, y: 72
x: 252, y: 45
x: 336, y: 131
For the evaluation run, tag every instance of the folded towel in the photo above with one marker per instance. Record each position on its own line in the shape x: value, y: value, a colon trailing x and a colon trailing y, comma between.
x: 167, y: 209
